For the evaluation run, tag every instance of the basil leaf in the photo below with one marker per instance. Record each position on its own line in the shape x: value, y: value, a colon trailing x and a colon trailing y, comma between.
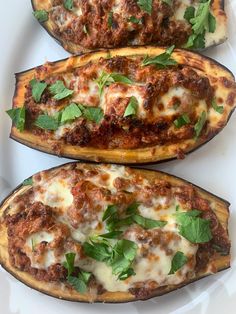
x: 106, y: 79
x: 178, y: 261
x: 78, y: 284
x: 110, y: 19
x: 118, y: 223
x: 200, y: 123
x: 37, y: 89
x: 68, y: 4
x: 111, y: 235
x: 111, y: 210
x: 182, y: 120
x: 126, y: 274
x: 70, y: 112
x: 47, y: 122
x: 194, y: 228
x: 59, y: 90
x: 28, y: 181
x: 132, y: 107
x: 148, y: 223
x: 132, y: 208
x: 189, y: 13
x: 135, y: 20
x: 98, y: 251
x: 41, y: 15
x: 161, y: 61
x: 145, y: 5
x: 69, y: 263
x: 219, y: 109
x: 18, y: 117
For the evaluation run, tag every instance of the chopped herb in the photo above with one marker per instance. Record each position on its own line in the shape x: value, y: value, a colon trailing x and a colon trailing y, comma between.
x: 69, y: 263
x: 132, y: 208
x: 18, y: 117
x: 135, y: 20
x: 167, y: 1
x: 41, y: 15
x: 178, y: 261
x: 70, y: 112
x: 106, y: 79
x: 161, y: 61
x: 68, y: 4
x: 177, y: 208
x: 182, y: 120
x: 126, y: 274
x: 33, y: 244
x: 110, y: 211
x: 110, y: 19
x: 94, y: 114
x: 221, y: 250
x: 194, y: 228
x: 145, y: 5
x: 100, y: 251
x: 200, y: 124
x: 132, y: 107
x: 148, y: 223
x: 47, y: 122
x: 201, y: 20
x: 219, y: 109
x: 59, y: 90
x: 37, y: 89
x: 111, y: 235
x: 28, y: 181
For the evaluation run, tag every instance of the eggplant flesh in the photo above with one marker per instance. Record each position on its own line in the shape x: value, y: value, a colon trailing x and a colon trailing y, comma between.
x: 75, y: 46
x: 58, y: 290
x: 220, y: 78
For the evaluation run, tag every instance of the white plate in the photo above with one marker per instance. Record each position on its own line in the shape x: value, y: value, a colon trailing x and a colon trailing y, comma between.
x: 24, y: 44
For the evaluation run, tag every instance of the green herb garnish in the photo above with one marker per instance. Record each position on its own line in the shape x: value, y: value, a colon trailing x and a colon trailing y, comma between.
x: 106, y: 79
x: 18, y: 117
x: 200, y: 124
x: 41, y: 15
x: 47, y: 122
x: 145, y: 5
x: 37, y: 89
x: 161, y: 61
x: 178, y: 261
x: 219, y: 109
x: 182, y: 120
x: 135, y: 20
x: 59, y: 90
x: 94, y: 114
x: 110, y: 19
x: 132, y: 107
x: 28, y: 181
x: 68, y: 4
x: 70, y: 112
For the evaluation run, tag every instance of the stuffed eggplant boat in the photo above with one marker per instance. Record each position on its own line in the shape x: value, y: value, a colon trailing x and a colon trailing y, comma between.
x: 81, y: 26
x: 108, y: 233
x: 130, y: 105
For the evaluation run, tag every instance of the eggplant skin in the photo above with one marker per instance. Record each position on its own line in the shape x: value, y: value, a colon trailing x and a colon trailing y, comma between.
x: 217, y: 8
x: 219, y: 76
x: 56, y: 290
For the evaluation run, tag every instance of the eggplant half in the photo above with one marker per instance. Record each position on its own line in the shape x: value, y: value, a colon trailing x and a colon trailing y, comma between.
x: 128, y: 105
x: 109, y: 233
x: 82, y: 26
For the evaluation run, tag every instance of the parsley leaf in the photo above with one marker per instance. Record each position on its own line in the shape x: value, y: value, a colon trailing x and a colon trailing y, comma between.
x: 69, y: 263
x: 70, y: 112
x: 148, y: 223
x: 132, y: 208
x: 200, y: 123
x: 182, y: 120
x: 189, y: 13
x: 59, y: 90
x: 126, y: 274
x: 37, y: 89
x: 135, y: 20
x: 41, y: 15
x: 194, y: 228
x: 99, y: 251
x: 145, y: 5
x: 111, y: 235
x: 28, y: 181
x: 68, y: 4
x: 106, y: 79
x: 47, y: 122
x: 178, y: 261
x: 111, y: 210
x: 132, y: 107
x: 161, y: 61
x: 18, y: 117
x: 94, y: 114
x: 219, y: 109
x: 77, y: 284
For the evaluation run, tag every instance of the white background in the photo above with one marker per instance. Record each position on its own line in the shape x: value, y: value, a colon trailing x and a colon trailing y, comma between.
x: 24, y: 44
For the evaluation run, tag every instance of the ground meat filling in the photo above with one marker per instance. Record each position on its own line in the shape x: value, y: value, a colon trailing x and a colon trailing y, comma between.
x: 150, y: 126
x: 96, y: 24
